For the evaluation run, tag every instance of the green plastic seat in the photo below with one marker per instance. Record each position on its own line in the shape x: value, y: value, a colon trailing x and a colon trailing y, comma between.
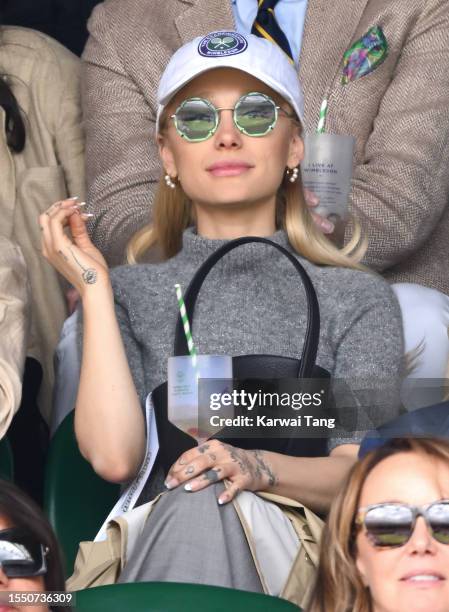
x: 76, y: 499
x: 176, y: 597
x: 6, y: 460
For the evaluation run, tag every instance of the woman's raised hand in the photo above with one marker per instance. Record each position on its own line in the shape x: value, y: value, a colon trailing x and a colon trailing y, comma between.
x: 214, y: 460
x: 74, y: 257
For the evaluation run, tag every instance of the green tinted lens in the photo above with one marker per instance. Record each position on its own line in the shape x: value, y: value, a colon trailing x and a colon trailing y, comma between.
x: 196, y: 119
x: 389, y: 524
x: 438, y: 517
x: 255, y: 114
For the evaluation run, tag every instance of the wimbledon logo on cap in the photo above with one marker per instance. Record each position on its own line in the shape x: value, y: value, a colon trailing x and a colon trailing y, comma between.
x: 220, y: 44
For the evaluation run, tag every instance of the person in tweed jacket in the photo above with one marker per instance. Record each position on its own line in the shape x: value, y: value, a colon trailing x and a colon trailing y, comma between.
x: 398, y: 113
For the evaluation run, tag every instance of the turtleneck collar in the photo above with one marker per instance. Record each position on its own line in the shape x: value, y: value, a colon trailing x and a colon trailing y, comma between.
x: 198, y: 248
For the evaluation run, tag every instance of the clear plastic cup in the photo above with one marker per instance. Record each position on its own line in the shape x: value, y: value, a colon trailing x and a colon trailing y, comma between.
x: 327, y: 171
x: 183, y: 375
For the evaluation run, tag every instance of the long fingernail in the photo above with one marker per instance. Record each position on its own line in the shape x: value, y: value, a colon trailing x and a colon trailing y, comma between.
x: 171, y: 483
x: 188, y: 487
x: 223, y: 499
x: 73, y: 198
x: 87, y: 215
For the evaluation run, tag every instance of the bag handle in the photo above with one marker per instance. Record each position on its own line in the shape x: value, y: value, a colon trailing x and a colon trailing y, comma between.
x: 312, y: 336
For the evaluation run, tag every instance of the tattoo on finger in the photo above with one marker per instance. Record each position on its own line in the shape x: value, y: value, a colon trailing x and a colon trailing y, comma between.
x: 212, y: 475
x: 190, y: 470
x: 203, y: 448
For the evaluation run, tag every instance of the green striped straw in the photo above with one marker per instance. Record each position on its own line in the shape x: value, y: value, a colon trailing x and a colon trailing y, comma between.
x: 185, y: 321
x: 323, y: 115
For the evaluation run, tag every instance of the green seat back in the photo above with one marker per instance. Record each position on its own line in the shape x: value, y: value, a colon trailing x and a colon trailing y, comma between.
x: 176, y: 597
x: 6, y: 460
x: 76, y: 499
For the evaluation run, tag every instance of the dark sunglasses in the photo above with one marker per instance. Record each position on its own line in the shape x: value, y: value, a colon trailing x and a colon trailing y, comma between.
x: 254, y: 114
x: 392, y: 524
x: 21, y: 555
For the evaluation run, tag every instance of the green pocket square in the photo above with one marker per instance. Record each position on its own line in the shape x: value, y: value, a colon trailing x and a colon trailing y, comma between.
x: 365, y: 55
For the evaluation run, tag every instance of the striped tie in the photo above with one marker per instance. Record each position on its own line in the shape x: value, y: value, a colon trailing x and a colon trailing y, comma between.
x: 267, y: 27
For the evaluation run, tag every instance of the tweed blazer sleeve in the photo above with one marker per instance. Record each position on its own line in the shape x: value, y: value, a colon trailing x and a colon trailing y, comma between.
x: 401, y: 184
x: 122, y: 162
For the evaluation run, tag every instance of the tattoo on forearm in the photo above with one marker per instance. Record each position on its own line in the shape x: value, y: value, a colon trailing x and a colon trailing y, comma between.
x: 263, y: 469
x: 89, y: 274
x: 212, y: 475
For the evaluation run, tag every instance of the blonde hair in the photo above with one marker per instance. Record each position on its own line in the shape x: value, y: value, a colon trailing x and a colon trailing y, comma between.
x: 339, y: 586
x: 172, y: 214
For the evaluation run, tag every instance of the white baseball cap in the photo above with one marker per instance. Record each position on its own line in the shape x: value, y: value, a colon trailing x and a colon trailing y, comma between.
x: 249, y: 53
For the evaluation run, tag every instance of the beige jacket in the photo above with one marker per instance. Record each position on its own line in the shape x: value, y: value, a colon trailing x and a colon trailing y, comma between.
x: 399, y: 115
x: 99, y: 563
x: 14, y: 324
x: 44, y: 77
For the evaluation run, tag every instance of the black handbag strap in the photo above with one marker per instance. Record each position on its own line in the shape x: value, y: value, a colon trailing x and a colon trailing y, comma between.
x: 310, y: 347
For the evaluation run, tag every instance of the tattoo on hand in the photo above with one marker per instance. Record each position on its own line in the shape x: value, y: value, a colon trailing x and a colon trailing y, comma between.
x: 203, y: 448
x: 212, y: 475
x: 182, y: 461
x: 63, y: 255
x: 213, y: 456
x: 89, y: 274
x: 240, y: 457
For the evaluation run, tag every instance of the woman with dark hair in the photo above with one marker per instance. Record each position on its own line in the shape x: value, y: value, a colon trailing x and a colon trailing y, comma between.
x: 41, y: 159
x: 26, y: 535
x: 385, y: 547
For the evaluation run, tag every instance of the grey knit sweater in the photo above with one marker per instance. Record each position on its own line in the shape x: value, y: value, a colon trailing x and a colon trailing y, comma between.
x: 253, y: 302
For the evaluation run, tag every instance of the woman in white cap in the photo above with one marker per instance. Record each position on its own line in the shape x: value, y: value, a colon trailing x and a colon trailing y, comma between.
x: 229, y: 132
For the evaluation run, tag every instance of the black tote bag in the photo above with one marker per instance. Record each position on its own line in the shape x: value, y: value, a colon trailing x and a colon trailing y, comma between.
x: 173, y: 442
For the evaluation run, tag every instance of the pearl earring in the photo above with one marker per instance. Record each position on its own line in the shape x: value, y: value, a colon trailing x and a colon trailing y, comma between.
x: 293, y: 174
x: 169, y: 182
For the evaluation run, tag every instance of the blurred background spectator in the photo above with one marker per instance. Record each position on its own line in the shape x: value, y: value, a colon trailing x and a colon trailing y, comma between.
x: 42, y: 161
x: 64, y: 20
x: 14, y: 328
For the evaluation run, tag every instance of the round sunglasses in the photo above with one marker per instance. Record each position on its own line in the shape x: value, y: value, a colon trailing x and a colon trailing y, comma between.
x: 255, y: 114
x: 392, y: 524
x: 21, y: 556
